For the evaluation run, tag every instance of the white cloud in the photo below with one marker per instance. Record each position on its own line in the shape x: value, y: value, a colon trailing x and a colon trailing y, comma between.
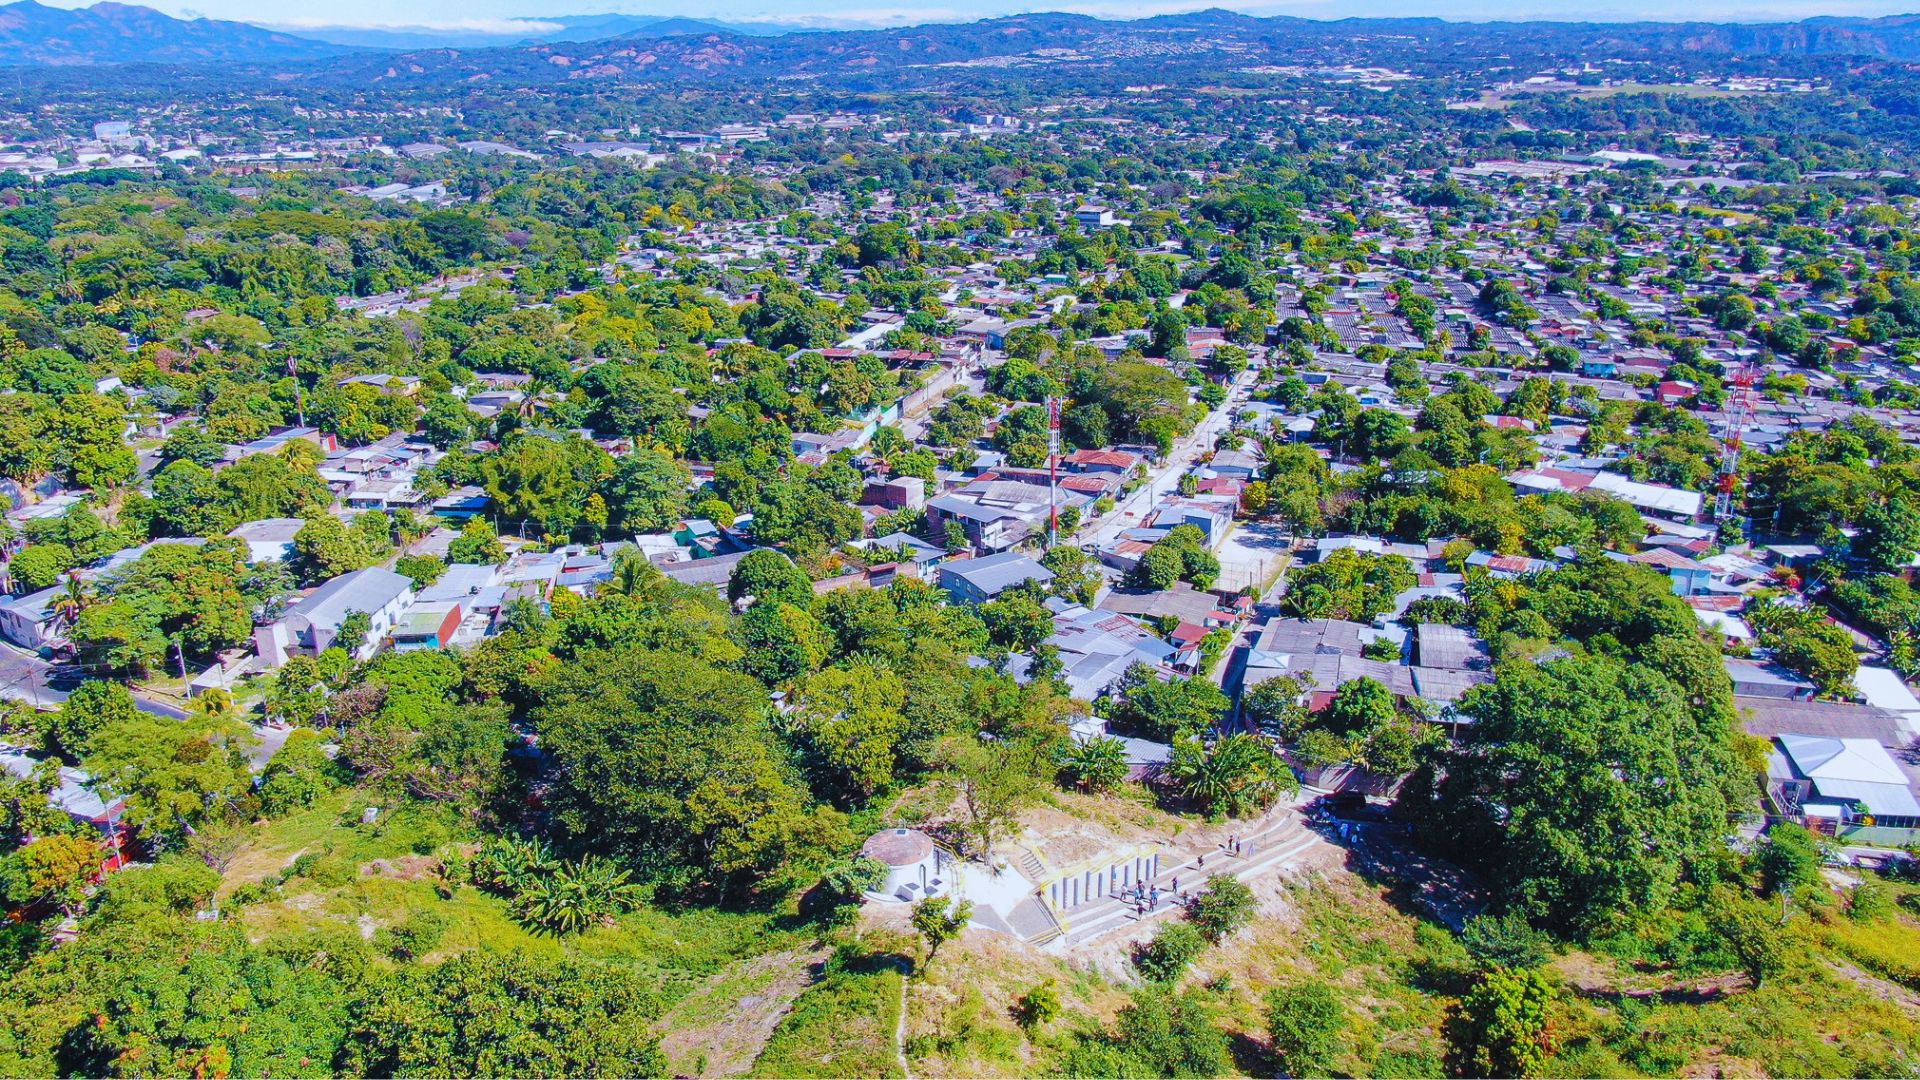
x: 503, y: 27
x: 857, y: 18
x: 1145, y: 9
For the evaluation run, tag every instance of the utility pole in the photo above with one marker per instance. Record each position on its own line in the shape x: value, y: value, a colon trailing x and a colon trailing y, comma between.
x: 299, y: 394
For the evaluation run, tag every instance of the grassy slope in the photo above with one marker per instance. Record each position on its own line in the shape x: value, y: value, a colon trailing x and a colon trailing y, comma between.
x: 843, y: 1025
x: 362, y: 878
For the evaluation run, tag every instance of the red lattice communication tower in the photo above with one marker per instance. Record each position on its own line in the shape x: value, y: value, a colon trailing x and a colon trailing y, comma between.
x: 1739, y: 414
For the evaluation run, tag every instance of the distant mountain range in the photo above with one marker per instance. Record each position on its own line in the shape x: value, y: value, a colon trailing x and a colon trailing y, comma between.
x: 1056, y: 42
x: 651, y: 47
x: 109, y: 33
x: 564, y: 28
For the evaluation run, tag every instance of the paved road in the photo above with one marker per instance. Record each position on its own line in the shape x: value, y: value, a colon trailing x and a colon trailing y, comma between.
x: 42, y: 683
x: 1132, y: 511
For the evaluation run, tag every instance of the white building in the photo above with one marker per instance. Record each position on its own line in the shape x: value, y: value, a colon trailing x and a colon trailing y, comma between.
x: 313, y: 624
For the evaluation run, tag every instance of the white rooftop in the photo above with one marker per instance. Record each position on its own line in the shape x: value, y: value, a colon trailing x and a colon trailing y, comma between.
x: 1856, y: 770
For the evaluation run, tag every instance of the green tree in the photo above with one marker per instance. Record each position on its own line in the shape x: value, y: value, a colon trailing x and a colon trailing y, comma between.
x: 174, y: 774
x: 1016, y: 621
x: 1162, y: 1033
x: 1173, y: 949
x: 54, y: 869
x: 1889, y: 533
x: 25, y: 810
x: 1584, y: 789
x: 995, y: 779
x: 1504, y: 1026
x: 1094, y: 765
x: 1277, y: 706
x: 1789, y: 860
x: 1305, y: 1022
x: 1358, y: 706
x: 1238, y: 775
x: 446, y: 422
x: 1076, y: 573
x: 1822, y: 652
x: 661, y: 754
x: 93, y: 705
x: 1166, y: 710
x: 850, y: 719
x: 1222, y: 909
x: 38, y: 566
x: 422, y: 570
x: 940, y: 919
x: 648, y: 492
x: 458, y: 235
x: 506, y: 1014
x: 187, y: 501
x: 271, y: 485
x: 298, y: 773
x: 145, y: 991
x: 767, y: 575
x: 781, y: 642
x: 1349, y: 585
x: 325, y: 548
x: 477, y: 543
x: 1038, y: 1006
x: 1751, y: 931
x: 298, y: 693
x: 538, y: 481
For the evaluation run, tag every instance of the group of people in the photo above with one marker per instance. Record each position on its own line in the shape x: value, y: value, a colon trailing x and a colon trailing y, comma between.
x: 1146, y: 898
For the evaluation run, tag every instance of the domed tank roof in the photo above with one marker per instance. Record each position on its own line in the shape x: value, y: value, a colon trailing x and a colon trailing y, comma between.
x: 899, y: 847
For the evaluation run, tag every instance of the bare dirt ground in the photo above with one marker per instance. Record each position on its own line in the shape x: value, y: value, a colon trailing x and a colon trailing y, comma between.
x: 719, y: 1029
x: 1885, y: 988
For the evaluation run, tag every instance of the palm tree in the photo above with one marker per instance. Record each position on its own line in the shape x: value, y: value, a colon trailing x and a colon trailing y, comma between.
x: 1237, y: 775
x: 576, y: 896
x: 75, y: 597
x: 633, y: 574
x: 508, y: 864
x: 1095, y: 765
x: 535, y: 399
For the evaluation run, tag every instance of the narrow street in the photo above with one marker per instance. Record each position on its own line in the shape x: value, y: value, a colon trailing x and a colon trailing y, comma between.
x: 1132, y: 510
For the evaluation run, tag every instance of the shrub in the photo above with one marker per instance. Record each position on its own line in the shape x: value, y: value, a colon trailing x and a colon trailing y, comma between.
x: 1173, y: 948
x: 1503, y: 1027
x: 1871, y: 901
x: 1305, y: 1020
x: 1507, y: 941
x: 1222, y: 908
x: 415, y: 937
x: 1037, y: 1006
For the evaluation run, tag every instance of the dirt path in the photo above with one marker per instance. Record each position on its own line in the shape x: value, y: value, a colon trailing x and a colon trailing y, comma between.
x: 1891, y: 991
x: 720, y: 1028
x: 900, y: 1028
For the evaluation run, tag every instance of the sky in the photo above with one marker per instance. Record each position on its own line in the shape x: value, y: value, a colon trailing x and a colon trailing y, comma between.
x: 520, y: 18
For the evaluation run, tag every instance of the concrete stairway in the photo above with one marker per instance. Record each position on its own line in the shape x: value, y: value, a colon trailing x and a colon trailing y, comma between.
x: 1267, y: 850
